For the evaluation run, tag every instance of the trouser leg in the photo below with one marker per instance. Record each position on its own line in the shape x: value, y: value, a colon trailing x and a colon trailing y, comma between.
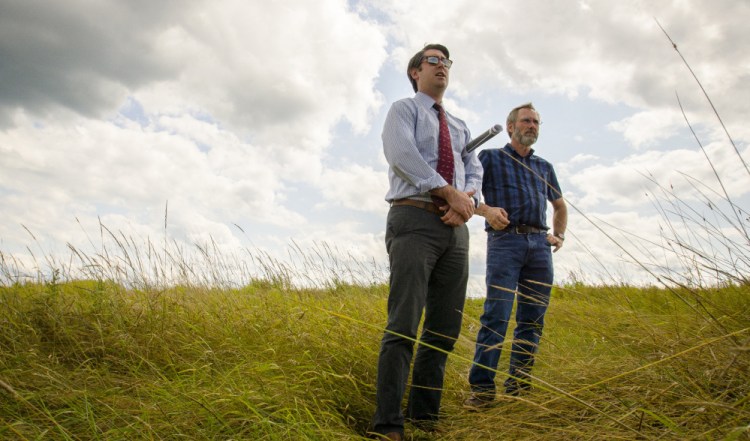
x: 504, y: 260
x: 443, y: 315
x: 534, y: 290
x: 412, y: 239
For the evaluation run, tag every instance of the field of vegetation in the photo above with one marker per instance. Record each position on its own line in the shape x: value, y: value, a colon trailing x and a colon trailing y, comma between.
x: 91, y: 359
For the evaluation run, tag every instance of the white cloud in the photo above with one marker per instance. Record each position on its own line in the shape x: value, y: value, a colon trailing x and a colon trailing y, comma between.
x: 611, y: 52
x: 581, y: 158
x: 236, y: 99
x: 632, y: 181
x: 648, y: 128
x: 283, y: 73
x: 355, y: 188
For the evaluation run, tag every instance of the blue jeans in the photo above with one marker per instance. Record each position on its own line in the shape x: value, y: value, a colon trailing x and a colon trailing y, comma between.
x: 517, y: 265
x: 429, y: 264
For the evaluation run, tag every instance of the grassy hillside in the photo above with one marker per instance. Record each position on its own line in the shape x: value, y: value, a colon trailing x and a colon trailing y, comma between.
x: 93, y: 360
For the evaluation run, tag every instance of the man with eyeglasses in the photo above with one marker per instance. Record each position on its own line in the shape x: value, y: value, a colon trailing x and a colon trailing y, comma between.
x: 517, y: 183
x: 433, y: 181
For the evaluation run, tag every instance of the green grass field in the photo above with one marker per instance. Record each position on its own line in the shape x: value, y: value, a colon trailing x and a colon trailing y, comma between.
x: 92, y: 360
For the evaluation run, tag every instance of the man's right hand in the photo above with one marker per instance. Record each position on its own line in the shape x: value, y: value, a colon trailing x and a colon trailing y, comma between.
x: 497, y: 217
x: 460, y: 203
x: 459, y: 207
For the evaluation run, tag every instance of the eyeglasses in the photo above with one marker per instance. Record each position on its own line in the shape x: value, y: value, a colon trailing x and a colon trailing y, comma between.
x: 435, y: 60
x: 536, y: 122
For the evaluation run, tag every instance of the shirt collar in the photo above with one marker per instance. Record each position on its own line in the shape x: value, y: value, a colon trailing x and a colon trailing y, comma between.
x: 424, y: 99
x: 509, y: 148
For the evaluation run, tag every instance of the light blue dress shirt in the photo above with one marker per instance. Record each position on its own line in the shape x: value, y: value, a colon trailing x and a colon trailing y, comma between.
x: 410, y: 145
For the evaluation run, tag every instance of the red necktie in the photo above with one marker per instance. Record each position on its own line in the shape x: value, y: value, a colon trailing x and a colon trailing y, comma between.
x: 445, y: 152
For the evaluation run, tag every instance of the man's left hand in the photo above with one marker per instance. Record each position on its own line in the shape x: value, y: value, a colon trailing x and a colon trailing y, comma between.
x: 452, y: 218
x: 555, y: 242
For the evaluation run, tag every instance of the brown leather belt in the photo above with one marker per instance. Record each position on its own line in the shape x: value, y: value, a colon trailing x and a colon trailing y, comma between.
x: 429, y: 206
x: 523, y: 229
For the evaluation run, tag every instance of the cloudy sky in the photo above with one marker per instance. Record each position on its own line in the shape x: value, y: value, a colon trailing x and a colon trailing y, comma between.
x: 256, y: 124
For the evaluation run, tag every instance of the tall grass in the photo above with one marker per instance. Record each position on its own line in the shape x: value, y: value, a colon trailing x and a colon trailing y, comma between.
x: 93, y: 360
x: 141, y: 263
x: 633, y: 363
x: 96, y: 360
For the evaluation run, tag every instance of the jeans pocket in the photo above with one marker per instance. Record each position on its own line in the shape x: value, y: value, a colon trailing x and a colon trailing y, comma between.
x: 494, y: 236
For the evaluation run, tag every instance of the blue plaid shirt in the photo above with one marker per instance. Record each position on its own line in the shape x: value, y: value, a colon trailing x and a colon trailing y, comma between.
x: 520, y: 185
